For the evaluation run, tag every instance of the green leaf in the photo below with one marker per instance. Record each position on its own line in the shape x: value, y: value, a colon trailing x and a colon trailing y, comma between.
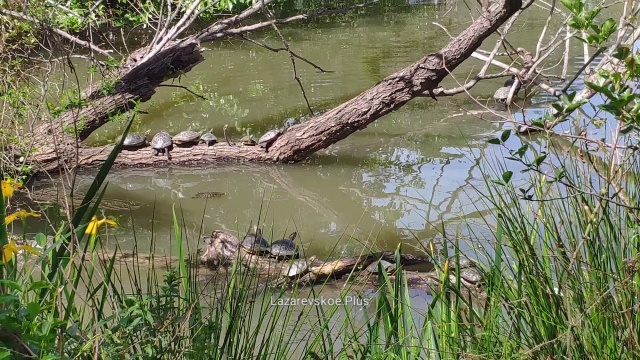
x: 591, y: 15
x: 494, y: 141
x: 573, y: 106
x: 33, y: 308
x: 41, y: 239
x: 522, y: 150
x: 601, y: 89
x: 539, y: 160
x: 506, y: 176
x: 37, y: 285
x: 539, y: 123
x: 622, y: 52
x: 11, y: 284
x: 608, y: 28
x: 557, y: 107
x: 505, y: 135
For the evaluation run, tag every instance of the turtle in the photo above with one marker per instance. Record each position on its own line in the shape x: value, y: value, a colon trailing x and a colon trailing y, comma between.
x: 298, y: 267
x: 208, y: 138
x: 509, y: 83
x: 268, y: 138
x: 161, y: 143
x: 208, y: 195
x: 256, y: 243
x: 134, y: 140
x: 187, y: 137
x: 501, y: 95
x: 248, y: 140
x: 468, y: 269
x: 285, y: 248
x: 386, y: 266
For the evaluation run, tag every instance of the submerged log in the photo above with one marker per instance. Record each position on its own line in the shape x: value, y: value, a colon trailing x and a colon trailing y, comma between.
x: 223, y: 248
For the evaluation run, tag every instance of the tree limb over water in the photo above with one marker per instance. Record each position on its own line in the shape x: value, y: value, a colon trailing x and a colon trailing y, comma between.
x: 148, y: 67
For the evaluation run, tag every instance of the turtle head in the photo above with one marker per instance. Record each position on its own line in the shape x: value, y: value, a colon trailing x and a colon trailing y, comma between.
x: 147, y: 133
x: 293, y: 236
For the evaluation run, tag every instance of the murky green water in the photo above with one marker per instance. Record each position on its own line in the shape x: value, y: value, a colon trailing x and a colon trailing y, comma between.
x: 403, y: 179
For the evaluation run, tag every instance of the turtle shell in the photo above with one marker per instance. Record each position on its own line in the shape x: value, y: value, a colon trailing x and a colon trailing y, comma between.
x: 285, y: 248
x: 208, y: 138
x: 468, y: 269
x: 297, y: 267
x: 161, y: 140
x: 161, y: 143
x: 256, y: 243
x: 269, y: 137
x: 502, y: 94
x: 387, y: 266
x: 186, y: 137
x: 133, y: 140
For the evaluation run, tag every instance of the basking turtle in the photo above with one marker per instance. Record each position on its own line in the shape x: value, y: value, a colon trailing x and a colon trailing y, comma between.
x: 248, y: 140
x: 134, y: 140
x: 386, y: 266
x: 285, y: 248
x: 298, y: 267
x: 501, y: 95
x: 208, y: 195
x: 268, y: 138
x: 161, y: 143
x: 468, y: 269
x: 208, y: 138
x: 186, y: 138
x: 256, y: 243
x: 509, y: 83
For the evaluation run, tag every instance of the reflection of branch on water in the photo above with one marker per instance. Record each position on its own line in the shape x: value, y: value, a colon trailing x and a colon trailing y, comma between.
x: 314, y: 201
x: 600, y: 167
x: 53, y: 194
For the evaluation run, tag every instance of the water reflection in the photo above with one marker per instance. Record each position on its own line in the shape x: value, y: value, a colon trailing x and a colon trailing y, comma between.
x: 405, y: 178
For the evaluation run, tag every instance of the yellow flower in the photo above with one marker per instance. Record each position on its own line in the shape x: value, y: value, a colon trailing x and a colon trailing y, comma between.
x: 7, y: 189
x: 21, y: 214
x: 11, y: 249
x: 94, y: 224
x: 9, y: 185
x: 14, y: 183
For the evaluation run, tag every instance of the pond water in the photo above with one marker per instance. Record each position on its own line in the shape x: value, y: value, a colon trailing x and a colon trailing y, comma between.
x: 403, y: 179
x: 413, y: 177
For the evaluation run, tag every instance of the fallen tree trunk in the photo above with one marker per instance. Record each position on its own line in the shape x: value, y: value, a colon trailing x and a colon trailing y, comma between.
x: 137, y: 79
x: 223, y: 248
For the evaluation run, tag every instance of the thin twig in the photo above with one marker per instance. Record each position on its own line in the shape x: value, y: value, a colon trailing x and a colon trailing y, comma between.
x: 291, y: 52
x: 270, y: 16
x: 185, y: 88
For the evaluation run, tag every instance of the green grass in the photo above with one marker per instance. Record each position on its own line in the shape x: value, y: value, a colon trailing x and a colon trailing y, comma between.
x: 561, y: 281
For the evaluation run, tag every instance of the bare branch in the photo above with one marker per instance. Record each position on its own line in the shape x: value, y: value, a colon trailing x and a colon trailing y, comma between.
x: 291, y: 52
x: 59, y: 32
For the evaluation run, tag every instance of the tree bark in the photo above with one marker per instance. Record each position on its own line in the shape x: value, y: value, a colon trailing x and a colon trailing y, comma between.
x: 223, y: 248
x: 138, y: 78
